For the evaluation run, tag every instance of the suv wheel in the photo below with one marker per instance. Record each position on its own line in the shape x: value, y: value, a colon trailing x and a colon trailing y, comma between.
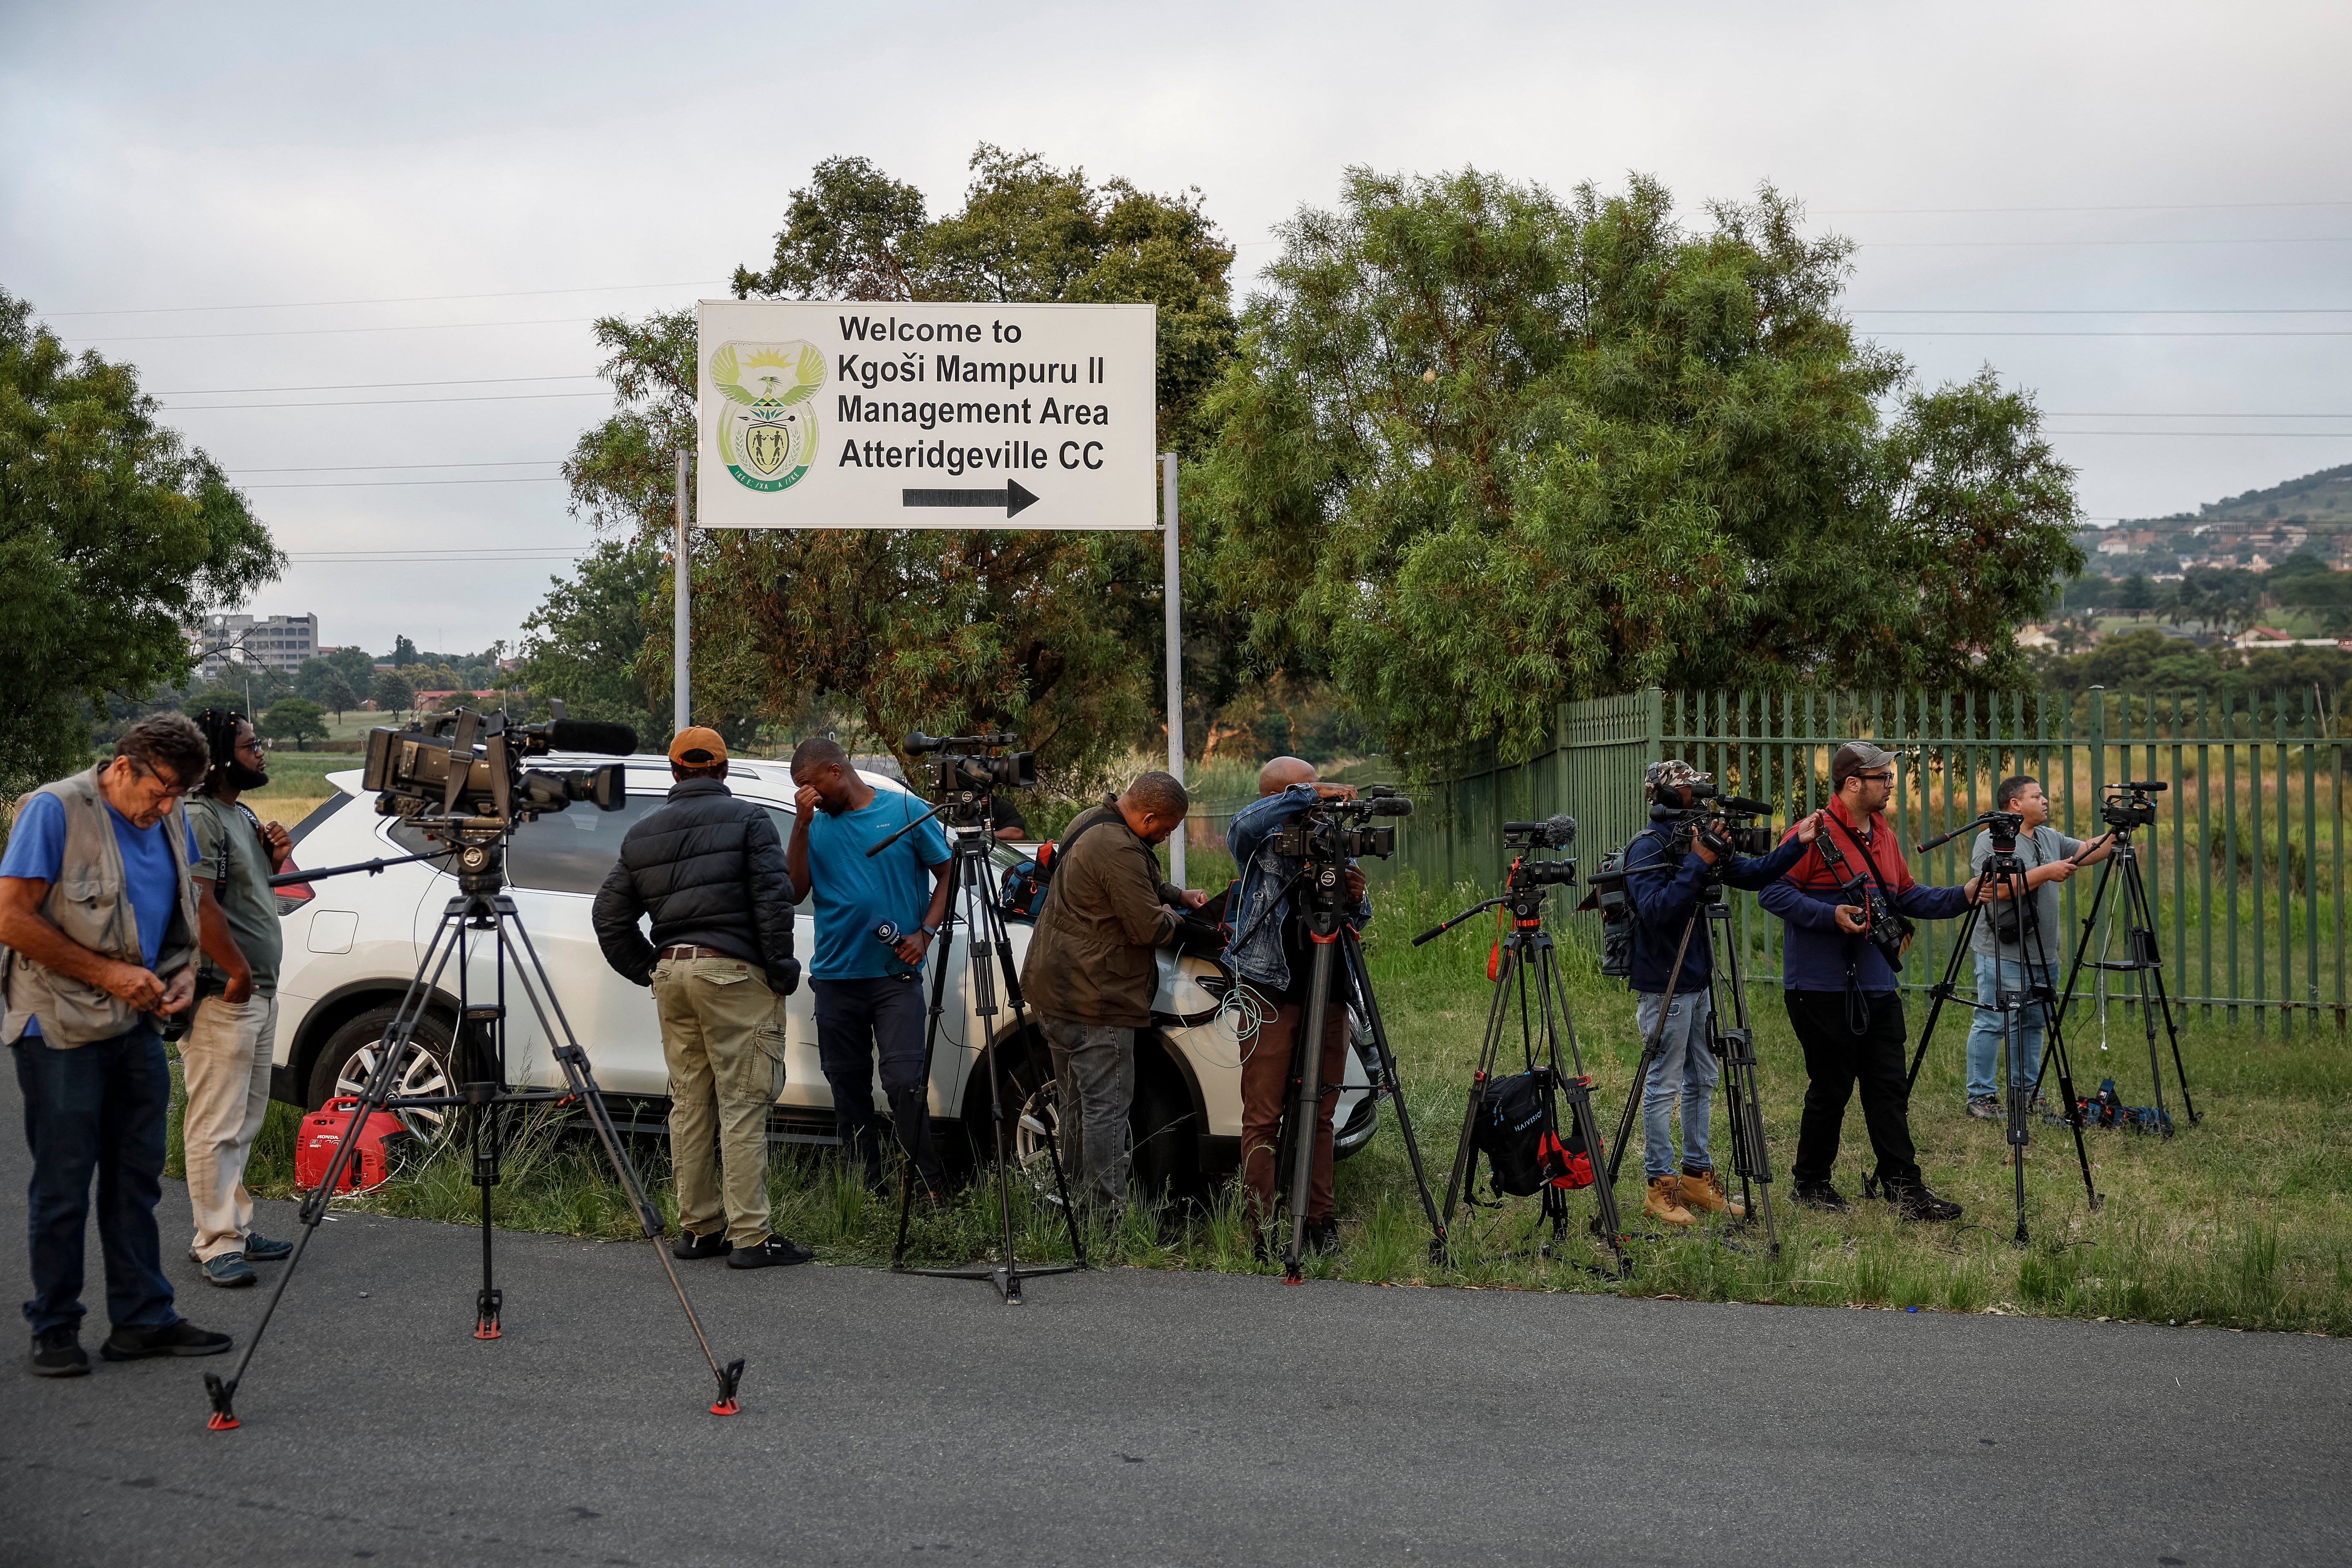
x: 1159, y: 1125
x: 351, y: 1055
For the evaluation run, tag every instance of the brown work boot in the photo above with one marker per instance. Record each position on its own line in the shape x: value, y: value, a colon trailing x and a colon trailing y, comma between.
x: 1703, y: 1191
x: 1663, y: 1203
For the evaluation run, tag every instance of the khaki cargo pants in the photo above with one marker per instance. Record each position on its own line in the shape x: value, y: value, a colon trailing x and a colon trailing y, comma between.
x: 723, y: 1037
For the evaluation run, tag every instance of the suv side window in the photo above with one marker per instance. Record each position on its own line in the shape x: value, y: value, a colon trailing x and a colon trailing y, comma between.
x: 564, y: 852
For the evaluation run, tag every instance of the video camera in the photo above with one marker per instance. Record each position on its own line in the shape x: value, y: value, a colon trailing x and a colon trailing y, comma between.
x: 1335, y: 830
x: 967, y: 769
x: 1557, y: 832
x: 2127, y: 805
x: 1729, y: 820
x: 465, y: 770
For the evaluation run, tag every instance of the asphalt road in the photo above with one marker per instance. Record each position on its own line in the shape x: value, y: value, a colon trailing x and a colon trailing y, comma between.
x: 1130, y: 1418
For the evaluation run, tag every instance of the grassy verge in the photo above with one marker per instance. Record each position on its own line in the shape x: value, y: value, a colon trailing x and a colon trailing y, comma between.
x: 2244, y: 1221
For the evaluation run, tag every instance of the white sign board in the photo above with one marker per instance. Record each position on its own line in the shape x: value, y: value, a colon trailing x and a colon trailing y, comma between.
x: 956, y: 416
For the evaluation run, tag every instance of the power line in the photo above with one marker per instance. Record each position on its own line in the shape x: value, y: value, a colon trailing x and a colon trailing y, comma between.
x: 368, y: 385
x: 1948, y: 244
x: 2021, y: 332
x: 2036, y: 310
x: 352, y: 467
x: 374, y: 484
x: 2086, y: 414
x: 397, y: 402
x: 317, y: 331
x: 509, y: 552
x: 2233, y: 435
x: 401, y: 299
x: 2138, y: 207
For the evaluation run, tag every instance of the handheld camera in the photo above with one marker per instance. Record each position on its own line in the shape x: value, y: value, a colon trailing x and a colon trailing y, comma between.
x: 1332, y: 831
x: 2128, y: 805
x: 1531, y: 838
x: 967, y: 769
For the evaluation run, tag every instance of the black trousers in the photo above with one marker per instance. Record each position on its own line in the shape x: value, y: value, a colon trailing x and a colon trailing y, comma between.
x: 853, y: 1017
x: 1836, y: 1060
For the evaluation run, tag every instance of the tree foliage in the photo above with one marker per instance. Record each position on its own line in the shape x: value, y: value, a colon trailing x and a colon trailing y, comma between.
x: 294, y: 719
x: 584, y: 641
x: 113, y: 534
x: 1052, y: 634
x: 1483, y: 449
x: 392, y: 693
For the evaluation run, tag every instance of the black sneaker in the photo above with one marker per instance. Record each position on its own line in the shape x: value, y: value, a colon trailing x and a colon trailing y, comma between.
x: 259, y: 1248
x: 1911, y: 1200
x: 693, y: 1247
x: 776, y: 1252
x: 58, y: 1353
x: 179, y: 1336
x: 1323, y: 1235
x: 1821, y: 1196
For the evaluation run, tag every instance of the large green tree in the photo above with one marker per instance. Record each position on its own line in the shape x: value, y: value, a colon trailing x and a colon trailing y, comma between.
x: 1483, y: 449
x: 113, y: 534
x: 584, y: 642
x: 1054, y: 634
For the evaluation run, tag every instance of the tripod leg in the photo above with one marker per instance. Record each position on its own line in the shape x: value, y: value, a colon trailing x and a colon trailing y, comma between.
x: 930, y: 1047
x: 1457, y: 1185
x: 1552, y: 1001
x: 2180, y: 1073
x: 1354, y: 950
x: 1942, y: 992
x: 2153, y: 1002
x: 1750, y: 1155
x: 2090, y: 924
x: 222, y: 1391
x: 582, y: 1080
x: 1652, y: 1049
x: 1000, y: 945
x: 1307, y: 1110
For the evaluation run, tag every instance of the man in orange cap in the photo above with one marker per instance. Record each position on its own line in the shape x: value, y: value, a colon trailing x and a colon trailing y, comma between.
x: 710, y: 870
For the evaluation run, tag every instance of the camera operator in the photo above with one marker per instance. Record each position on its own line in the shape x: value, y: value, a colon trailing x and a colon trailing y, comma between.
x: 867, y: 995
x: 1840, y: 991
x: 708, y: 869
x: 1271, y: 952
x: 1090, y: 971
x: 2010, y: 962
x: 1668, y: 867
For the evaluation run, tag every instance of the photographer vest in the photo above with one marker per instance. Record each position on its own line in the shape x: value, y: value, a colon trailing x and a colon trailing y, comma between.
x: 89, y: 904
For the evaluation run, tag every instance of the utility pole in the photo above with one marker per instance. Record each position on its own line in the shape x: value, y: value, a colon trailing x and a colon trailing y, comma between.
x: 681, y: 584
x: 1172, y: 609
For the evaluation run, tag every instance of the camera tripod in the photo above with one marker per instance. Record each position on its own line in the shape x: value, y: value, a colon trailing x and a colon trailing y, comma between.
x: 479, y: 1054
x: 1734, y: 1050
x: 986, y: 944
x: 1526, y: 948
x: 2143, y: 961
x: 2003, y: 870
x: 1322, y: 883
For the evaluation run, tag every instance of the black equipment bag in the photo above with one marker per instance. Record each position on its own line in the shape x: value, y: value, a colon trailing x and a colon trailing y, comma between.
x: 1616, y: 912
x: 1514, y: 1131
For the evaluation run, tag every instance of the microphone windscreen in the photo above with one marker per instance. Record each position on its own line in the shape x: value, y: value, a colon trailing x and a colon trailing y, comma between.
x: 589, y: 735
x: 1391, y: 806
x: 1740, y: 803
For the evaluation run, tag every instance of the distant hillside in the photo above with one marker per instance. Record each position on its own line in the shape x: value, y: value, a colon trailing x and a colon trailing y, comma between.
x: 2322, y: 497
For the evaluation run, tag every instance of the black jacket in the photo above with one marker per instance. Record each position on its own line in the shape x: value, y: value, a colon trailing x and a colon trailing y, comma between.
x: 709, y: 869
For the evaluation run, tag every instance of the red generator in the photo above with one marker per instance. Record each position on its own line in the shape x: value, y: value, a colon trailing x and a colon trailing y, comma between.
x: 322, y: 1131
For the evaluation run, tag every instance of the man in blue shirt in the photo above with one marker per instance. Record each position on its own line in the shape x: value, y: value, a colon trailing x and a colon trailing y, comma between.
x: 100, y: 918
x: 1668, y: 869
x: 868, y: 996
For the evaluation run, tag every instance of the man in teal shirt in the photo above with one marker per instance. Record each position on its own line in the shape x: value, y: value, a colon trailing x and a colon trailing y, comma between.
x: 867, y: 994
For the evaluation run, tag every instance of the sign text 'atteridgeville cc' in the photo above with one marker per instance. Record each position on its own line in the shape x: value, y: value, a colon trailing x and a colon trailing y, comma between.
x: 863, y: 415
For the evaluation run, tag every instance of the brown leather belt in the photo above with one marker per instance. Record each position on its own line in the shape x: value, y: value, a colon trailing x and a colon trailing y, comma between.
x: 688, y: 951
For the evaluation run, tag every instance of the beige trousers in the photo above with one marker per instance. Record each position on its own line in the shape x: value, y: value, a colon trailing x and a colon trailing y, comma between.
x: 723, y: 1037
x: 225, y: 1054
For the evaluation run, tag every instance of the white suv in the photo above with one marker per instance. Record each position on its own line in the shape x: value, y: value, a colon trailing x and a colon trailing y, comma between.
x: 353, y: 944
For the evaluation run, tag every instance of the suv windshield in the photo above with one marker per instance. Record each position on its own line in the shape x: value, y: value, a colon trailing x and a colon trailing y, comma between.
x: 564, y: 852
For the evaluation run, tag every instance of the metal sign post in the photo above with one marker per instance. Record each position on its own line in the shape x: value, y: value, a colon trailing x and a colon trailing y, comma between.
x: 681, y: 584
x: 1171, y: 601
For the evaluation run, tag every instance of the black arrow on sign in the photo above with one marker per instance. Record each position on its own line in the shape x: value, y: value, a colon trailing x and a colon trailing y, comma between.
x: 1012, y: 497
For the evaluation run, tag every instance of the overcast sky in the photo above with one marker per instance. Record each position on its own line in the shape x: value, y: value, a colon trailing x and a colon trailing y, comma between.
x: 2173, y: 174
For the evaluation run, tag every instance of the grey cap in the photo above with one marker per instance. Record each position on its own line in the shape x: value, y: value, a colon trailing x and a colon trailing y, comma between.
x: 1856, y: 757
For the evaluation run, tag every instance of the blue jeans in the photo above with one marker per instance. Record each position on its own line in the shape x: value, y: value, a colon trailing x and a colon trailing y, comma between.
x: 1984, y: 1032
x: 98, y: 1107
x: 1685, y: 1068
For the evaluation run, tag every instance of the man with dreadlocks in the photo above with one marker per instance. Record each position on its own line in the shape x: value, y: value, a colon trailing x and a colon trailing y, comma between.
x: 229, y: 1041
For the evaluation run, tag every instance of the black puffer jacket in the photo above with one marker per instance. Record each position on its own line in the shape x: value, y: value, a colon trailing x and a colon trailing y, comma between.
x: 709, y: 869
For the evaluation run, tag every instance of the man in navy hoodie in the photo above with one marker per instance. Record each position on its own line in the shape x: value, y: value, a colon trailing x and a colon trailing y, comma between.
x: 1840, y: 992
x: 1668, y: 869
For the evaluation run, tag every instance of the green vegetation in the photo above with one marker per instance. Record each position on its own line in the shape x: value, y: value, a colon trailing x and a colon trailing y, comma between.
x: 2245, y: 1221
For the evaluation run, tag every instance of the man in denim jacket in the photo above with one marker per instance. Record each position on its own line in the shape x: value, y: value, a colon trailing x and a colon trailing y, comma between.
x: 1270, y: 951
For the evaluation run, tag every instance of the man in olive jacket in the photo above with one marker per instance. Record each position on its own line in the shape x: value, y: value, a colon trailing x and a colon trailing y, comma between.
x: 1090, y: 973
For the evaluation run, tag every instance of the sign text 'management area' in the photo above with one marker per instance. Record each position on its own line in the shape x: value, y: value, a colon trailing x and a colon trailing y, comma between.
x: 954, y: 415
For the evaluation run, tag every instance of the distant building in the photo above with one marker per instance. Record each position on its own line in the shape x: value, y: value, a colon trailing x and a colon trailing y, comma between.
x: 274, y: 642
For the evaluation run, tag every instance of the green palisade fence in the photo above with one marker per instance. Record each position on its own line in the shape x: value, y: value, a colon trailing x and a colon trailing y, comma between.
x: 2245, y: 866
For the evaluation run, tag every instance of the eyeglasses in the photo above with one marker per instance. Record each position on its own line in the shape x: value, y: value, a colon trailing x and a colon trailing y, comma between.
x: 169, y: 791
x: 1874, y: 778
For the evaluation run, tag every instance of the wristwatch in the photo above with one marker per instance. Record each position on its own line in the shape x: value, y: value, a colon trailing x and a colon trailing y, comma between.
x: 931, y: 931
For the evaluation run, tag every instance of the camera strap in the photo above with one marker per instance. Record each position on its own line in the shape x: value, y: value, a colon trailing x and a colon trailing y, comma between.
x: 1049, y: 872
